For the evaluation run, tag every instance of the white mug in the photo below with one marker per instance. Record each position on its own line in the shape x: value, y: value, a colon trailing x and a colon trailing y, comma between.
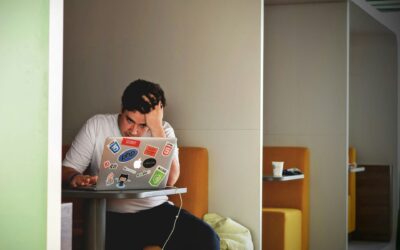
x: 277, y: 168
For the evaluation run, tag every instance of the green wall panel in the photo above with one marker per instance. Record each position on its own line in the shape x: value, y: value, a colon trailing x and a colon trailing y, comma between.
x: 23, y: 123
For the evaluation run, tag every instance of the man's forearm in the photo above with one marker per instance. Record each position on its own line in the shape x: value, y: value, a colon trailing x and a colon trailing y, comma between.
x: 173, y: 173
x: 158, y: 132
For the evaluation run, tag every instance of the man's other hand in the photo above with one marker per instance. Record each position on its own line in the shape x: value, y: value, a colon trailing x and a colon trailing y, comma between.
x: 83, y: 180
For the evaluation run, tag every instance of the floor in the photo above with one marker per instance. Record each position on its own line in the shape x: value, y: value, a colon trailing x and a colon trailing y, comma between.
x: 368, y: 245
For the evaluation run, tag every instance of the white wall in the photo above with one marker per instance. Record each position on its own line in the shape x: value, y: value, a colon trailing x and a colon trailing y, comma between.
x: 305, y: 91
x: 56, y: 21
x: 207, y: 56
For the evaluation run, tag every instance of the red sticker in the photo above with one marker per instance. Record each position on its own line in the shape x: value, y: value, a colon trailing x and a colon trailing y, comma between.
x: 150, y: 151
x: 130, y: 142
x: 167, y: 149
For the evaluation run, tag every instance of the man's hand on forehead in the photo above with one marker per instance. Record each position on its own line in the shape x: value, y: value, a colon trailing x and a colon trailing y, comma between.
x: 154, y: 118
x: 151, y: 100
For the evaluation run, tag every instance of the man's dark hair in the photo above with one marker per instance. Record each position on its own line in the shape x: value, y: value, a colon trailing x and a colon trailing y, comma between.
x: 132, y: 98
x: 124, y: 175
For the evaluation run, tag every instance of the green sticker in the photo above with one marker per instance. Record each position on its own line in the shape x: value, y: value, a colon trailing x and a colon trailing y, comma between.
x: 158, y: 175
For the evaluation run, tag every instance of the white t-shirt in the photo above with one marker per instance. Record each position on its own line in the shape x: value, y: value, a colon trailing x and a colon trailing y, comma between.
x: 86, y: 151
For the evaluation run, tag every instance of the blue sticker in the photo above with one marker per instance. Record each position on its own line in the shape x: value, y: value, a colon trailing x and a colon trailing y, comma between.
x: 114, y: 147
x: 128, y: 155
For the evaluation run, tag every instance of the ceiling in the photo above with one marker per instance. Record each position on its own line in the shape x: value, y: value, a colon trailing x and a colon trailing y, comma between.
x: 362, y: 23
x: 385, y: 5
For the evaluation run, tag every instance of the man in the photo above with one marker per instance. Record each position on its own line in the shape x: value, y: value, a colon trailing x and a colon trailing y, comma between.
x: 135, y: 223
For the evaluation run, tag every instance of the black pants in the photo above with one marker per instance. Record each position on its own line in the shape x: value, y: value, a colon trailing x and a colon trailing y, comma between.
x: 134, y: 231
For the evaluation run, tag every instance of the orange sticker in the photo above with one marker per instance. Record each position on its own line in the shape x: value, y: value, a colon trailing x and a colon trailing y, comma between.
x: 150, y: 151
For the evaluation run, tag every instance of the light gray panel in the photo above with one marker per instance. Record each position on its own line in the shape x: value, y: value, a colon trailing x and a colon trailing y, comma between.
x: 305, y: 92
x: 66, y: 226
x: 305, y: 70
x: 373, y: 97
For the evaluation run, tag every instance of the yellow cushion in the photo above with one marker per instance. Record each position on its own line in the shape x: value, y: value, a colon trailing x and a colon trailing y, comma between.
x: 281, y: 229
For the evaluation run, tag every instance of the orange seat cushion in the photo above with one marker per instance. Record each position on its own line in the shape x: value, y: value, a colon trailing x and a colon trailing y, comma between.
x: 193, y: 175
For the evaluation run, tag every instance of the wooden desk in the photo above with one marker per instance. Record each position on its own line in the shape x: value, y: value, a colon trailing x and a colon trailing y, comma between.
x: 97, y: 208
x: 374, y: 203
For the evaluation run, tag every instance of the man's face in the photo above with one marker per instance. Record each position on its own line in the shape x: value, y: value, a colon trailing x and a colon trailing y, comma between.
x: 132, y: 123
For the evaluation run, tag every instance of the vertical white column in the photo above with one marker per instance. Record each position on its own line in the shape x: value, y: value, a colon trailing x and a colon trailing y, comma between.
x: 56, y: 20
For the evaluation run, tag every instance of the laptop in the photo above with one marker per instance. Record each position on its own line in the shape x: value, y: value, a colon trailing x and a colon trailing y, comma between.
x: 134, y: 163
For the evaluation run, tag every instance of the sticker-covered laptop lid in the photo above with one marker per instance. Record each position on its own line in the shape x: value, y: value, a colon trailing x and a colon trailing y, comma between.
x: 135, y: 163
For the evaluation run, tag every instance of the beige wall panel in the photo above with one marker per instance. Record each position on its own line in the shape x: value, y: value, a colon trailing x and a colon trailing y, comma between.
x: 305, y: 93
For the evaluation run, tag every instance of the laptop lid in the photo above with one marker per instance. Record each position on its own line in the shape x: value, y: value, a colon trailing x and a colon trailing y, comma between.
x: 135, y: 163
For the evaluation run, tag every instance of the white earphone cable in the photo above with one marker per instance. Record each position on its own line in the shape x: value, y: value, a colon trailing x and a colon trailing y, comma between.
x: 176, y: 219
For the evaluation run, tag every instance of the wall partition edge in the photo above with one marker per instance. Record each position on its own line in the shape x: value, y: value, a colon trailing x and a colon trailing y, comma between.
x: 347, y: 113
x: 56, y: 11
x: 261, y: 118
